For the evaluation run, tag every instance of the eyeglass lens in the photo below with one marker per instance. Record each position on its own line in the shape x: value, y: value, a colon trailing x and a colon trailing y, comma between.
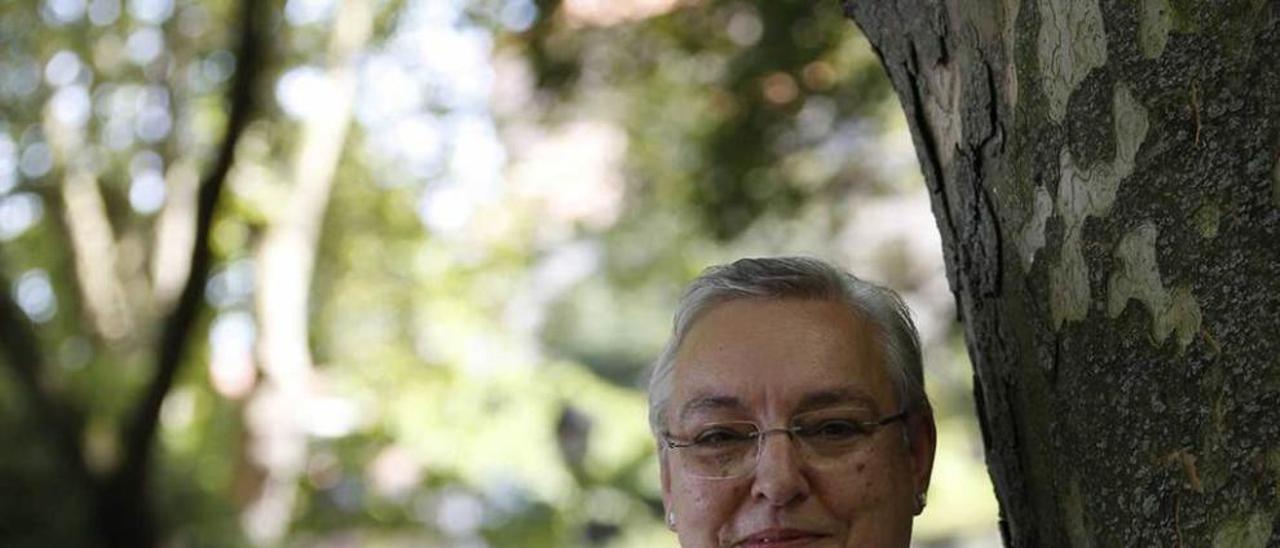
x: 731, y: 449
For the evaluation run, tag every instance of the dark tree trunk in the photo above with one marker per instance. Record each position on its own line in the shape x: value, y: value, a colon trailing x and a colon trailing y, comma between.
x: 1104, y: 175
x: 123, y: 504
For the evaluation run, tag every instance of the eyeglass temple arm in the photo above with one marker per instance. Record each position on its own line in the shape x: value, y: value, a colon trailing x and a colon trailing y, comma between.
x: 896, y: 416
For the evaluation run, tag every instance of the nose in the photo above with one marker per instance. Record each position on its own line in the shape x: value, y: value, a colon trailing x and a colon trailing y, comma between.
x: 779, y: 479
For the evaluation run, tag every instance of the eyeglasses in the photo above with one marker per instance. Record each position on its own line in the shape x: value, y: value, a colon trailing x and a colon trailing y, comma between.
x: 826, y: 438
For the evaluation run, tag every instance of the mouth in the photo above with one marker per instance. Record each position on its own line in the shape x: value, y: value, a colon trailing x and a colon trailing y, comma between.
x: 780, y: 538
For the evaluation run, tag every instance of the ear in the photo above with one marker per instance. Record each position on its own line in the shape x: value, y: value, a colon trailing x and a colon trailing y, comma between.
x: 924, y: 440
x: 666, y: 487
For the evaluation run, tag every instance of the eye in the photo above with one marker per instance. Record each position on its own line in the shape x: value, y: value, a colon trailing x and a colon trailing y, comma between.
x: 835, y: 429
x: 722, y: 435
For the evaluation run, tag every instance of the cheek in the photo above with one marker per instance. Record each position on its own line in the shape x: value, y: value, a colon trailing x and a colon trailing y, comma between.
x: 859, y: 491
x: 872, y: 489
x: 702, y: 510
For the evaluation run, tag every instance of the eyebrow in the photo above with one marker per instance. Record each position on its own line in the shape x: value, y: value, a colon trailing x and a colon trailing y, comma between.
x: 707, y: 403
x: 842, y: 395
x: 813, y: 400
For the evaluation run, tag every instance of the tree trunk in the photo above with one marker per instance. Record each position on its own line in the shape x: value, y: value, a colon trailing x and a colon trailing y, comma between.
x: 285, y: 265
x: 122, y: 505
x: 1105, y: 179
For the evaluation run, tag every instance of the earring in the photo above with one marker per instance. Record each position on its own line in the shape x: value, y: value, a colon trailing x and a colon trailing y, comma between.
x: 671, y: 521
x: 920, y: 501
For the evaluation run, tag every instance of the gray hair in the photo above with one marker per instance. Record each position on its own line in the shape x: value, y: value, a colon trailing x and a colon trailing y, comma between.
x: 796, y: 278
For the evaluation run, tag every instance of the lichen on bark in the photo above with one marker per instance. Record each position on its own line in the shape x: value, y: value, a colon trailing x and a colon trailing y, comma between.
x: 1207, y: 218
x: 1138, y: 278
x: 1031, y: 238
x: 1090, y: 191
x: 1273, y: 465
x: 1244, y: 532
x: 1072, y: 42
x: 1155, y: 20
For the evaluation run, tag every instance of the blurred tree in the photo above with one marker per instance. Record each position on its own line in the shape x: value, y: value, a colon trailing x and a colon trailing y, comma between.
x: 285, y: 261
x: 118, y: 484
x: 1105, y: 179
x: 389, y: 273
x: 726, y: 103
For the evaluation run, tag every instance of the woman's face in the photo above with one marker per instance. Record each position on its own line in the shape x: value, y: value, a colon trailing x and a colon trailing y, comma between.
x: 764, y: 361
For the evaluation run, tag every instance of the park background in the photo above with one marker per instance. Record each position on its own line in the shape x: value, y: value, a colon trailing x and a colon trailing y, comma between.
x: 446, y: 250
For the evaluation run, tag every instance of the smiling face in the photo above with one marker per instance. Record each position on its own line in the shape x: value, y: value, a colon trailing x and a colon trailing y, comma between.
x: 764, y: 361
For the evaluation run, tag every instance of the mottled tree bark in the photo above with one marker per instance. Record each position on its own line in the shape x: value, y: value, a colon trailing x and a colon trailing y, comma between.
x: 1104, y: 175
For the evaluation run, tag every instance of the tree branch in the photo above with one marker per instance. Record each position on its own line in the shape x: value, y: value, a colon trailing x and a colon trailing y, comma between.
x: 93, y: 252
x: 177, y: 329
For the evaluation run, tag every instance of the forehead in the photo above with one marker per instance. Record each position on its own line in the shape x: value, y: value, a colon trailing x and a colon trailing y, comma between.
x: 772, y: 355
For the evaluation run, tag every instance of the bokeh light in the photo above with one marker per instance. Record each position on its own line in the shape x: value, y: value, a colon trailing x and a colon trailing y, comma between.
x: 451, y: 238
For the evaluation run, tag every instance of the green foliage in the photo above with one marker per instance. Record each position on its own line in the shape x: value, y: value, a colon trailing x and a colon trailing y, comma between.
x: 711, y: 96
x: 474, y: 382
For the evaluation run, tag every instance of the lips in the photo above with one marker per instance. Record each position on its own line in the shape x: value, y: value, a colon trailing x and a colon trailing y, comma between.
x: 780, y: 538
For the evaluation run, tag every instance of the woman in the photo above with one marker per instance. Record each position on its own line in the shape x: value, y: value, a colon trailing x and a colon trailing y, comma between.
x: 789, y: 410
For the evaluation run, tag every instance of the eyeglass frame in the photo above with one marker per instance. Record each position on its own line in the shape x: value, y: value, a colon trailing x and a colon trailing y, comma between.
x: 792, y: 431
